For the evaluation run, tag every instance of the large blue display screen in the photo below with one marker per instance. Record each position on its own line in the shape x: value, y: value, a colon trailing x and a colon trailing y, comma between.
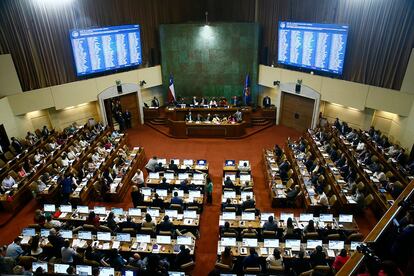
x: 102, y: 49
x: 314, y: 46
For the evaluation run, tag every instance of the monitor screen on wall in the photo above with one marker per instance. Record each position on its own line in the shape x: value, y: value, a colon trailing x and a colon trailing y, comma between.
x: 105, y: 49
x: 319, y: 47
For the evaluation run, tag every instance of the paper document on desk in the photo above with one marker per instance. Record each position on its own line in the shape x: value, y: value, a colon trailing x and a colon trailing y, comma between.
x: 62, y: 215
x: 331, y: 253
x: 115, y: 244
x: 25, y: 240
x: 106, y: 246
x: 263, y: 251
x: 368, y: 171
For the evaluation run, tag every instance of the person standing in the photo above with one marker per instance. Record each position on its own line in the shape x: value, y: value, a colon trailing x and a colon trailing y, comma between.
x: 209, y: 190
x: 127, y: 118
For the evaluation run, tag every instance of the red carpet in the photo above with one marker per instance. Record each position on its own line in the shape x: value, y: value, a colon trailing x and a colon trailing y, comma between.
x: 215, y: 151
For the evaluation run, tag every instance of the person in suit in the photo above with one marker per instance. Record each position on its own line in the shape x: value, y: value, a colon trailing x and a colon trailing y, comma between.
x: 176, y: 199
x: 127, y: 118
x: 166, y: 225
x: 203, y: 101
x: 155, y: 102
x: 16, y: 145
x: 128, y: 224
x: 184, y: 185
x: 45, y: 132
x: 189, y: 117
x: 227, y: 229
x: 173, y: 166
x: 228, y: 183
x: 248, y: 204
x: 270, y: 224
x: 267, y: 102
x: 157, y: 201
x: 208, y: 118
x: 159, y: 167
x: 238, y: 116
x: 252, y: 260
x: 318, y: 257
x: 292, y: 194
x: 136, y: 196
x: 183, y: 257
x: 300, y: 264
x: 164, y: 184
x: 194, y: 101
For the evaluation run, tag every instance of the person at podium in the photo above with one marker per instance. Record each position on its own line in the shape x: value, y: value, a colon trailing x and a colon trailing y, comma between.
x: 223, y: 102
x: 203, y: 101
x: 199, y: 117
x: 213, y: 102
x: 208, y: 118
x: 195, y: 102
x: 238, y: 115
x: 155, y: 102
x: 189, y: 117
x: 267, y: 102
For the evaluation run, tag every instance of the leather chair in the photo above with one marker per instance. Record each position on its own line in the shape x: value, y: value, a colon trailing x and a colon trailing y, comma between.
x: 355, y: 237
x: 223, y: 267
x: 255, y: 269
x: 188, y: 267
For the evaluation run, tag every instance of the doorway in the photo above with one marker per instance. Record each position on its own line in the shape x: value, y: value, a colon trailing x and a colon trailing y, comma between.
x: 122, y: 103
x: 296, y: 111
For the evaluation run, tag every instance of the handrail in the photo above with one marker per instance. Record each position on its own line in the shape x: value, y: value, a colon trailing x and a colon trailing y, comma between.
x: 353, y: 263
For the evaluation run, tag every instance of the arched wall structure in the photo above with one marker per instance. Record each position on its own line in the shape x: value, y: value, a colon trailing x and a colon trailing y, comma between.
x: 111, y: 92
x: 306, y: 92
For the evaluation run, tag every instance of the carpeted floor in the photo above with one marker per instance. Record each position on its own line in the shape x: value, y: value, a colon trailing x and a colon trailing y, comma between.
x: 215, y: 151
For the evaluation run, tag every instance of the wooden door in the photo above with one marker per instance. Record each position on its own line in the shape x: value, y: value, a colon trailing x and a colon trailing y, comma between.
x: 296, y: 111
x: 130, y: 102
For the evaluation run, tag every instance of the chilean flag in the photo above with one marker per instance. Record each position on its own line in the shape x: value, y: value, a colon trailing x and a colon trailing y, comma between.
x: 171, y: 92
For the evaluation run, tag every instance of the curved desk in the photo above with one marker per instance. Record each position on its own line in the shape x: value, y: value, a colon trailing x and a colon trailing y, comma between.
x: 182, y: 129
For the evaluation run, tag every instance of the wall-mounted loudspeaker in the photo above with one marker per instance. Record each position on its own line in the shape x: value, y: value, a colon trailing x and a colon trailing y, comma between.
x: 119, y: 88
x: 297, y: 88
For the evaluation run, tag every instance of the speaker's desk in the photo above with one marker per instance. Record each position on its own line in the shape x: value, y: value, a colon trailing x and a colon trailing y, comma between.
x: 179, y: 114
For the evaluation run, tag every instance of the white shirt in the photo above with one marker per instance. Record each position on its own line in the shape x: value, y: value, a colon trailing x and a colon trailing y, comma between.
x: 8, y: 182
x: 138, y: 178
x: 271, y: 260
x: 323, y: 200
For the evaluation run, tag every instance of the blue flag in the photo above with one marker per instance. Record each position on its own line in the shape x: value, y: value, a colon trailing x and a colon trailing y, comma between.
x: 246, y: 91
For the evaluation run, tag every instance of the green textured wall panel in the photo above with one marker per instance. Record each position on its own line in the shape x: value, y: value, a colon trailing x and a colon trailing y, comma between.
x: 210, y: 61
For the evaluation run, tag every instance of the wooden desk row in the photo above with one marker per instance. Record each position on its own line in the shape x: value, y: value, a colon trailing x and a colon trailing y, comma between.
x: 382, y: 201
x: 378, y: 152
x: 23, y: 194
x: 332, y: 175
x: 277, y: 190
x: 51, y: 193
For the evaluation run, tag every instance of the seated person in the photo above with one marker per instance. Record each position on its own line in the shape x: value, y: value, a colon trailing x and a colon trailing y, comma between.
x: 199, y: 117
x: 252, y: 260
x: 157, y: 201
x: 275, y: 259
x: 159, y: 167
x: 359, y: 198
x: 322, y: 199
x: 318, y: 257
x: 176, y: 199
x: 228, y: 183
x: 248, y: 203
x: 300, y: 264
x: 166, y: 225
x: 227, y: 229
x: 92, y: 219
x: 183, y: 257
x: 244, y: 168
x: 184, y: 185
x: 270, y: 224
x: 292, y: 194
x: 227, y: 204
x: 340, y: 260
x: 249, y: 230
x: 226, y: 257
x: 173, y: 166
x: 8, y: 182
x: 189, y: 117
x: 164, y: 184
x: 128, y: 224
x: 310, y: 228
x: 148, y: 223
